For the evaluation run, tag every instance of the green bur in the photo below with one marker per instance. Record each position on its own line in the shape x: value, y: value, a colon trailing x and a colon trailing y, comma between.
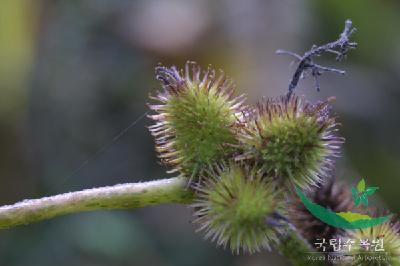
x: 291, y: 141
x: 233, y: 207
x: 197, y: 119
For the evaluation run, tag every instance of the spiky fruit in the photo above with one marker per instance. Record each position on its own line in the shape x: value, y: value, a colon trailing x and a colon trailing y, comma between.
x: 382, y: 244
x: 197, y: 118
x: 236, y: 207
x: 291, y: 140
x: 332, y: 195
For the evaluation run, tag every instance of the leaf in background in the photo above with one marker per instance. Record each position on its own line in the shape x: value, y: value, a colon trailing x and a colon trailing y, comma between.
x: 370, y: 190
x: 361, y: 186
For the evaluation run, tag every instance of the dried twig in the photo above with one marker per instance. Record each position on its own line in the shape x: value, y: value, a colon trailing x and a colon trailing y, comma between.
x: 307, y: 66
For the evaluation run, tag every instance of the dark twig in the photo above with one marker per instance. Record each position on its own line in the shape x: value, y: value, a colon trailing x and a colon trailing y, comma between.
x: 306, y: 65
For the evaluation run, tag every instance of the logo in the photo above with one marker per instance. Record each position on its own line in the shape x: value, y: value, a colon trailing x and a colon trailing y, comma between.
x: 361, y: 193
x: 346, y: 220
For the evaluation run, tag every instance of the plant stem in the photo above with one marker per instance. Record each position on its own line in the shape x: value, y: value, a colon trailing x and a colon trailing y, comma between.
x: 296, y: 249
x: 123, y: 196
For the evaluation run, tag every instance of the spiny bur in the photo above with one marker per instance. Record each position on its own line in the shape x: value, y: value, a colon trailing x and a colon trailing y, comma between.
x: 197, y: 118
x: 381, y: 241
x: 291, y: 140
x: 236, y: 207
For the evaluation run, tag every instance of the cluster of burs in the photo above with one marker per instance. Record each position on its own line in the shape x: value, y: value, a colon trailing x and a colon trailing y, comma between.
x: 244, y: 162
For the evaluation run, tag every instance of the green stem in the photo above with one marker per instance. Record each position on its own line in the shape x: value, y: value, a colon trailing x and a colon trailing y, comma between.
x: 123, y: 196
x: 296, y: 250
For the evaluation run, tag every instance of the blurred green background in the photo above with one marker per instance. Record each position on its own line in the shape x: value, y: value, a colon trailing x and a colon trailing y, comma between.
x: 73, y: 74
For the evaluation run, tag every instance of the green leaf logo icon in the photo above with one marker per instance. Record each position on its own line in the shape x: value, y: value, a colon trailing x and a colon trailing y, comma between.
x: 371, y: 190
x: 360, y: 195
x: 361, y: 186
x: 344, y: 220
x: 364, y: 200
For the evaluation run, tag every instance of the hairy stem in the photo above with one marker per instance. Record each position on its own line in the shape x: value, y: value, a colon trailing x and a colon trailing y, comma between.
x: 123, y: 196
x: 296, y: 250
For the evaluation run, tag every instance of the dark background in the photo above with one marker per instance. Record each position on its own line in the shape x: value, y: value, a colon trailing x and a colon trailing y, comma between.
x: 73, y: 74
